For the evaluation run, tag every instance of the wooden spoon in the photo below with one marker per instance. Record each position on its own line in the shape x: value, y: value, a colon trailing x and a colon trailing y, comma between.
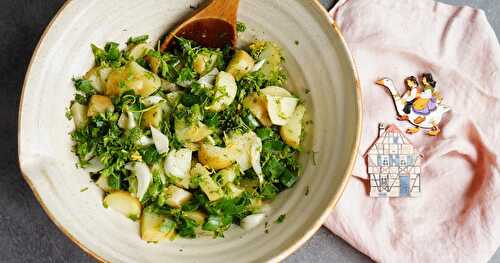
x: 212, y: 25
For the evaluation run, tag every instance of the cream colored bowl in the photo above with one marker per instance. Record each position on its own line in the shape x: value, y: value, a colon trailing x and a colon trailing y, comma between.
x: 317, y: 60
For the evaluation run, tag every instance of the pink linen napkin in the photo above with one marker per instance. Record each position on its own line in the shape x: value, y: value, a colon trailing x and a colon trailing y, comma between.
x: 457, y: 216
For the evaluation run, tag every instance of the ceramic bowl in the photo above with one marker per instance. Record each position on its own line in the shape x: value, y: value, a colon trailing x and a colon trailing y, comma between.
x: 321, y: 71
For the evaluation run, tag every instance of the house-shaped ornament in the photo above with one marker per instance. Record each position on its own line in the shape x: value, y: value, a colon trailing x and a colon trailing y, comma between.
x: 393, y: 165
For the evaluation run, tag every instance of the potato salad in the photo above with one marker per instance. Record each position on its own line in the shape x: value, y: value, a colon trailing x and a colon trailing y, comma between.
x: 190, y: 141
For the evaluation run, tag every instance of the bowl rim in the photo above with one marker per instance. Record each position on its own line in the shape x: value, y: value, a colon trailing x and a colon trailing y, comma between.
x: 296, y: 243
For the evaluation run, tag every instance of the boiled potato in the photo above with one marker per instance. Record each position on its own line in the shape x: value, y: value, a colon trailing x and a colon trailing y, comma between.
x: 154, y: 63
x: 275, y: 91
x: 215, y: 157
x: 292, y: 131
x: 232, y: 190
x: 211, y: 189
x: 229, y: 174
x: 150, y: 227
x: 257, y: 106
x: 194, y: 132
x: 102, y: 182
x: 79, y: 114
x: 176, y: 197
x: 197, y: 216
x: 240, y: 65
x: 270, y: 52
x: 132, y: 77
x: 225, y: 92
x: 94, y: 77
x: 152, y: 117
x: 204, y: 62
x: 280, y: 109
x: 124, y: 203
x: 139, y: 50
x: 99, y: 104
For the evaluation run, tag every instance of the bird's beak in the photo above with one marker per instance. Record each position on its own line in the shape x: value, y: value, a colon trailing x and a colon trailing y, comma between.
x: 380, y: 82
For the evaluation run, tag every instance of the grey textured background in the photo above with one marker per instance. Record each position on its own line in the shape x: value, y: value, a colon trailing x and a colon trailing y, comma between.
x: 26, y: 233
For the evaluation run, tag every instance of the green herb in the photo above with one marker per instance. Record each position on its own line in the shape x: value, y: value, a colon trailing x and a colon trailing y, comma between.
x: 240, y: 26
x: 280, y: 219
x: 167, y: 226
x: 137, y: 40
x: 84, y: 189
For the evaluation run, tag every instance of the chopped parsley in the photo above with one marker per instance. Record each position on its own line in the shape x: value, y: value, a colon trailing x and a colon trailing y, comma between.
x: 241, y: 27
x: 280, y: 219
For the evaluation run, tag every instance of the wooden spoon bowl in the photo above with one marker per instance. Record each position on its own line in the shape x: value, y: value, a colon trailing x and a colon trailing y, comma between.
x: 212, y: 25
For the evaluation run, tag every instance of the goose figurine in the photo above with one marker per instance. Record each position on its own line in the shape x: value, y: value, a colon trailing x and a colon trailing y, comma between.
x: 421, y: 106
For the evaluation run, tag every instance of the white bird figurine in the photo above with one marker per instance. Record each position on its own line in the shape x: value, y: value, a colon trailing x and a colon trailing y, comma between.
x: 422, y: 108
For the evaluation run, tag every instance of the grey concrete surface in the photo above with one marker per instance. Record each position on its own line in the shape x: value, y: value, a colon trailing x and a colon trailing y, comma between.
x: 26, y: 233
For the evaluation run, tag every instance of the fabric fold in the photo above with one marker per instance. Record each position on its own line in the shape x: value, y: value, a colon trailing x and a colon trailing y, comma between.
x: 457, y: 216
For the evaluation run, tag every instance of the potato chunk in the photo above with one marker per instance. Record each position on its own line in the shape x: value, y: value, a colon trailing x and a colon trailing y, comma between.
x: 151, y: 224
x: 215, y: 157
x: 124, y: 203
x: 204, y: 62
x: 79, y: 114
x: 206, y: 183
x: 225, y: 92
x: 132, y: 77
x: 152, y: 117
x: 99, y: 104
x: 257, y: 106
x: 176, y: 196
x: 292, y: 131
x: 240, y: 65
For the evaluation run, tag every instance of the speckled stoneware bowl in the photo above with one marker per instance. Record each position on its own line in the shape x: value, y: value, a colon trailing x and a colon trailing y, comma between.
x: 317, y: 59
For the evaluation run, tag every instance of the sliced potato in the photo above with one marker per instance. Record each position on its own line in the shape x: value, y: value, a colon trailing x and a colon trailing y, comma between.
x: 79, y: 114
x: 176, y: 197
x: 232, y: 190
x: 215, y: 157
x: 204, y: 62
x: 280, y: 109
x: 258, y: 107
x: 132, y: 77
x: 229, y: 174
x: 150, y: 227
x: 197, y: 216
x: 206, y: 183
x: 139, y: 50
x: 225, y: 92
x: 193, y: 132
x: 275, y: 91
x: 154, y: 63
x: 240, y: 65
x: 152, y: 117
x: 272, y: 54
x: 102, y: 182
x: 99, y: 104
x: 124, y: 203
x: 93, y: 75
x: 292, y: 131
x: 178, y: 163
